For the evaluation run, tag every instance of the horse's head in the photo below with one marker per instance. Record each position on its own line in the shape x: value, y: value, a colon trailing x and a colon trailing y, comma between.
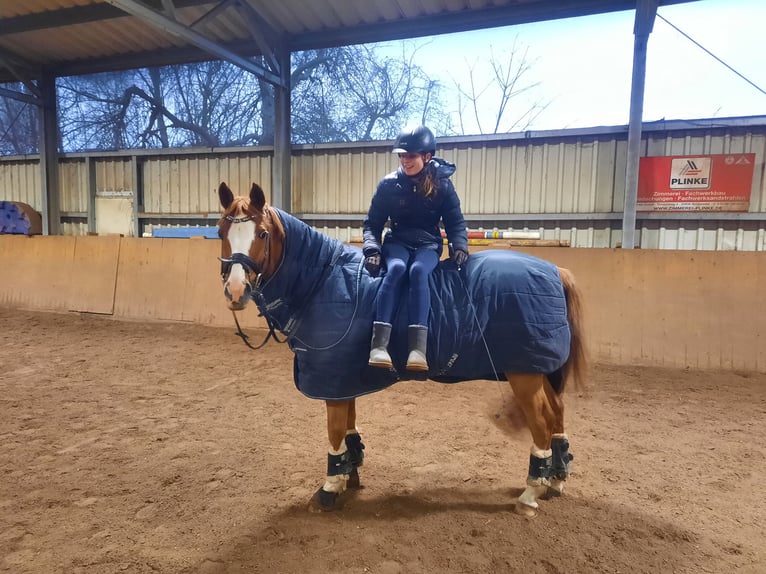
x: 251, y: 243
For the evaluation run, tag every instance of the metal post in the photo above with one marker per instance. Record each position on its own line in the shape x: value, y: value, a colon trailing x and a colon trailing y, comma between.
x: 281, y: 184
x: 90, y: 182
x: 49, y: 171
x: 646, y: 10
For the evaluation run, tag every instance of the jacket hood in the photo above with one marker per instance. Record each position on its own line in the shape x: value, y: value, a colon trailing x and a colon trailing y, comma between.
x: 442, y: 168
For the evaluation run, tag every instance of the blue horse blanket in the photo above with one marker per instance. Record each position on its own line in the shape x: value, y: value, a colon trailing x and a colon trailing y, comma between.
x: 503, y: 312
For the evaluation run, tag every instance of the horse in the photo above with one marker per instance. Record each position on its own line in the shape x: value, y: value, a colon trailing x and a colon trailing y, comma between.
x: 503, y: 316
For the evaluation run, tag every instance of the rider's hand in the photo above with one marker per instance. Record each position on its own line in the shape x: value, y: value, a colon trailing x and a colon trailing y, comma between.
x: 460, y: 257
x: 372, y: 264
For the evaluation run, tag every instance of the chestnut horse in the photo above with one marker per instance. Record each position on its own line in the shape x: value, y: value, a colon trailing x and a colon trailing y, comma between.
x: 316, y: 292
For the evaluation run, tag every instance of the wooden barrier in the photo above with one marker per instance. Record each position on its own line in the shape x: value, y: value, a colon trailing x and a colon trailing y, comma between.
x: 93, y: 275
x: 699, y: 309
x: 36, y: 271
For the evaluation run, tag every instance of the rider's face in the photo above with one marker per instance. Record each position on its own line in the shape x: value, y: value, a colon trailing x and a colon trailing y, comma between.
x: 413, y: 163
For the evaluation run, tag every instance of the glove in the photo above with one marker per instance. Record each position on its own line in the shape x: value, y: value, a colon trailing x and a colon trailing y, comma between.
x: 460, y: 257
x: 372, y: 264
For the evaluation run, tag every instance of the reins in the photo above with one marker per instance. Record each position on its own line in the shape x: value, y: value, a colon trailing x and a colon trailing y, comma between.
x: 272, y: 334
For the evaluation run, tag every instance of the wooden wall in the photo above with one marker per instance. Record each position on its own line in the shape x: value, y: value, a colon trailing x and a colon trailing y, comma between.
x: 671, y: 308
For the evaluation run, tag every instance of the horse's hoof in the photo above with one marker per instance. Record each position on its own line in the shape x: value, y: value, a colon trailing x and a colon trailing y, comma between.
x: 324, y: 501
x: 556, y: 488
x: 353, y: 480
x: 525, y: 510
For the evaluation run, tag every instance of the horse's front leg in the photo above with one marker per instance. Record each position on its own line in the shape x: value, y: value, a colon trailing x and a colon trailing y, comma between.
x: 345, y: 453
x: 544, y: 416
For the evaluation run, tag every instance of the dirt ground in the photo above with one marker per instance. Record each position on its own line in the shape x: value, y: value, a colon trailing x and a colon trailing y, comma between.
x: 172, y: 448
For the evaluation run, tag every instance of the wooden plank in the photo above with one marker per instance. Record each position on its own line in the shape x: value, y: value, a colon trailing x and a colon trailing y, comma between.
x: 204, y: 300
x: 36, y: 271
x: 94, y: 274
x: 15, y: 251
x: 151, y: 278
x: 538, y: 242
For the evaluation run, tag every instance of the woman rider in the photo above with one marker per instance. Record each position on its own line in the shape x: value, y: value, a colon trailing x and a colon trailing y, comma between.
x: 415, y: 198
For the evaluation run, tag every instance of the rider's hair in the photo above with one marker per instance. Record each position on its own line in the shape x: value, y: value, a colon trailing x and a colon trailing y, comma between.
x: 427, y: 183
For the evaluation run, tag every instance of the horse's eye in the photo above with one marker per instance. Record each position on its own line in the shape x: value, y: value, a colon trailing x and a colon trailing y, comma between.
x: 263, y: 234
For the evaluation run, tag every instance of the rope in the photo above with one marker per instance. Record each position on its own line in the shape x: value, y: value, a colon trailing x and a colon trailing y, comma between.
x: 692, y: 40
x: 478, y: 325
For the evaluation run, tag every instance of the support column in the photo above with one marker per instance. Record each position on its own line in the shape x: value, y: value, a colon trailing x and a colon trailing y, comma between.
x: 49, y: 170
x: 281, y: 174
x: 90, y: 182
x: 646, y: 10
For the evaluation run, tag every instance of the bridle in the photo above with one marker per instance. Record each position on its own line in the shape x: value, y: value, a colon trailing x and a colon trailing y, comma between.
x: 250, y: 266
x: 254, y: 278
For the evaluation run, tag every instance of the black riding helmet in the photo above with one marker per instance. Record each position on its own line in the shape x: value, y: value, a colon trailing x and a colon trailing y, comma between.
x: 415, y: 139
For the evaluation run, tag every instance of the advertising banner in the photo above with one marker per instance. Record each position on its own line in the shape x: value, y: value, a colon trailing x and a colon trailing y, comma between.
x: 719, y: 182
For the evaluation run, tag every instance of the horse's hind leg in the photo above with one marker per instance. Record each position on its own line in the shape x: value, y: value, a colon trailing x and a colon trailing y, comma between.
x: 561, y: 456
x: 339, y: 465
x: 541, y: 419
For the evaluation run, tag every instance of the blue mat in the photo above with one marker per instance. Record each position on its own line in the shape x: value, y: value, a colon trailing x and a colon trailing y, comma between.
x: 191, y: 231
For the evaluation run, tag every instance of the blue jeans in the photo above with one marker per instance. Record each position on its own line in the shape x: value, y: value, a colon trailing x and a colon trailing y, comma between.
x: 417, y: 264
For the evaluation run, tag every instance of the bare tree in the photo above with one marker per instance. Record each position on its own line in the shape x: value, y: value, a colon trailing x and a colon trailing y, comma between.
x: 207, y: 104
x: 486, y: 99
x: 351, y: 93
x: 361, y: 95
x: 19, y: 127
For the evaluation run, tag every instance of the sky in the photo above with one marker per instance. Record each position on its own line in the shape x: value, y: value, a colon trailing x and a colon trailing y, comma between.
x: 584, y: 65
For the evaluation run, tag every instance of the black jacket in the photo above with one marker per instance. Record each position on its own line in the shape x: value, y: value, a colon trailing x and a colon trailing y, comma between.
x: 414, y: 218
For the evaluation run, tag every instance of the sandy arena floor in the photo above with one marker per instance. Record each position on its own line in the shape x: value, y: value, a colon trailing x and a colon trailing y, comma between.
x: 172, y: 448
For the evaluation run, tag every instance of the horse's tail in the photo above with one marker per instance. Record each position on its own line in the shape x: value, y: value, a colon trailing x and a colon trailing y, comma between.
x: 576, y: 366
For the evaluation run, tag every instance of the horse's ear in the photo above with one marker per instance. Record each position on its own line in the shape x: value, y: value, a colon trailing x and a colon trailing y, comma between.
x: 225, y: 195
x: 257, y: 197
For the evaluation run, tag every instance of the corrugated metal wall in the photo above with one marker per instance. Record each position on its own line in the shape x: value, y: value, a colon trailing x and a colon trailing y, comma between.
x: 567, y: 185
x: 20, y: 181
x: 188, y: 184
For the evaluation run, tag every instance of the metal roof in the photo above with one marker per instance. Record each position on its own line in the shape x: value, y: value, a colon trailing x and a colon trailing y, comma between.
x: 68, y: 37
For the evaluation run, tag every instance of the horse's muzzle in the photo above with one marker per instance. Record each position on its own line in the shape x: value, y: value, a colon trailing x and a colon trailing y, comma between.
x: 237, y: 298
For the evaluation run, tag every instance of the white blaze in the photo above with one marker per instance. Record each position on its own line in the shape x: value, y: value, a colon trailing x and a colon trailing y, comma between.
x: 240, y: 238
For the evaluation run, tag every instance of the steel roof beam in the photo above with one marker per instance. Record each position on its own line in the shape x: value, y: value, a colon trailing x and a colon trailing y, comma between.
x: 21, y: 69
x: 466, y: 20
x: 77, y: 15
x: 213, y: 13
x: 20, y: 96
x: 262, y: 32
x: 162, y: 22
x: 169, y: 8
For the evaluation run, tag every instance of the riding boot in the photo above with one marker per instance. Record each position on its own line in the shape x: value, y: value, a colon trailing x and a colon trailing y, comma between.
x: 379, y: 357
x: 417, y: 338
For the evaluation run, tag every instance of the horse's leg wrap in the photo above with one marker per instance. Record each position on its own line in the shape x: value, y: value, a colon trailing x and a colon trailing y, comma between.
x: 561, y: 456
x: 538, y: 480
x: 339, y: 464
x: 355, y: 448
x: 338, y: 468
